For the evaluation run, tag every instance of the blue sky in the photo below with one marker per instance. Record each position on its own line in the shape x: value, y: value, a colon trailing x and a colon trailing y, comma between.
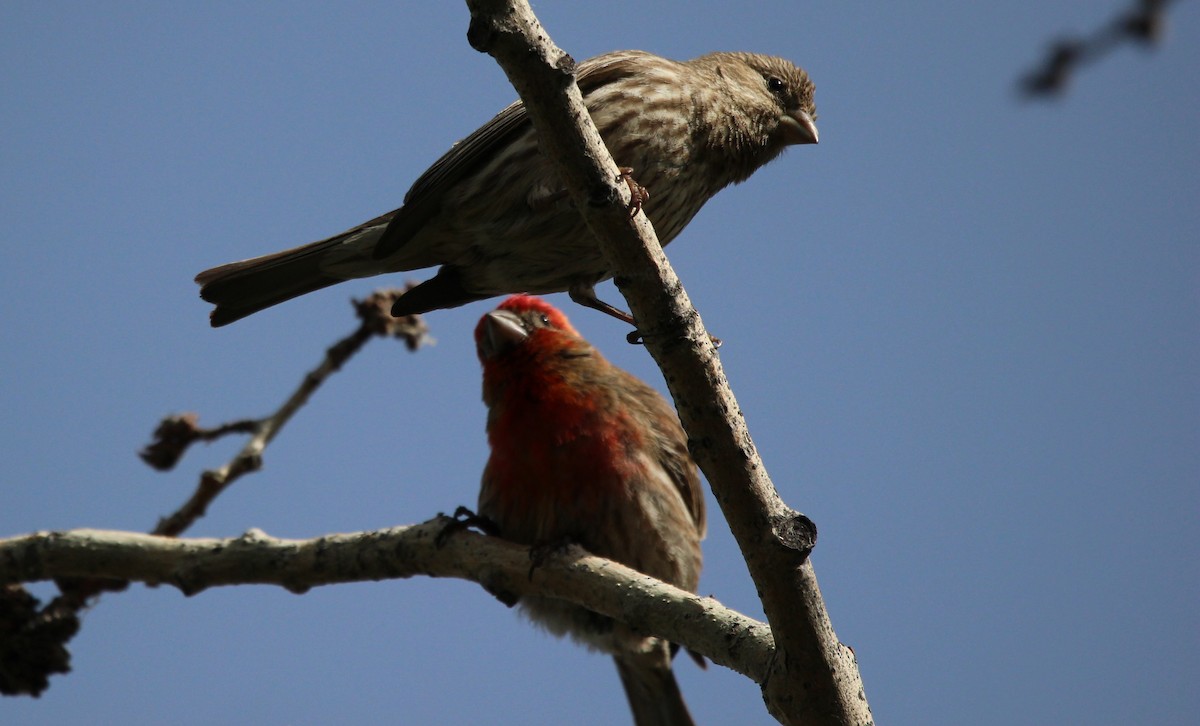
x: 963, y: 329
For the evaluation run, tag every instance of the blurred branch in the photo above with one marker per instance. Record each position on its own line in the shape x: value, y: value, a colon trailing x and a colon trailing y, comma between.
x: 192, y: 565
x: 813, y: 678
x: 33, y: 641
x: 1144, y: 24
x: 33, y: 638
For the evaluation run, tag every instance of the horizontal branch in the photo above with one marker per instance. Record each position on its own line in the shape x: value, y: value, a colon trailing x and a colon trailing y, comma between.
x: 701, y: 624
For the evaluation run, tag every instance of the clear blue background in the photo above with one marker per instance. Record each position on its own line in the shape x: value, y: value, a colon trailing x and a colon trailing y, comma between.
x: 963, y: 329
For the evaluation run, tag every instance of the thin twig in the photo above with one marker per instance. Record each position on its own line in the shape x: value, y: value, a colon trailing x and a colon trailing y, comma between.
x: 375, y: 321
x: 33, y: 640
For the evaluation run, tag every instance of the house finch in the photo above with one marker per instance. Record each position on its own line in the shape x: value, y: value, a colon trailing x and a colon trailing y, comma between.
x: 493, y: 213
x: 583, y: 452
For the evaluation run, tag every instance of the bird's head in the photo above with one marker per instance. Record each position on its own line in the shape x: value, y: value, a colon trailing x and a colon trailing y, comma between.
x: 760, y: 105
x: 515, y: 322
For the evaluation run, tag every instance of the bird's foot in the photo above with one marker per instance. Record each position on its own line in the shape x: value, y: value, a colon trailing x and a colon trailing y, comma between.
x: 463, y: 519
x: 638, y: 194
x: 539, y: 553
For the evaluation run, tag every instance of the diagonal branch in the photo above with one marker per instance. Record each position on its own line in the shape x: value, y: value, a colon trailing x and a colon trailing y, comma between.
x: 814, y: 679
x: 375, y: 320
x: 1143, y: 24
x: 33, y: 637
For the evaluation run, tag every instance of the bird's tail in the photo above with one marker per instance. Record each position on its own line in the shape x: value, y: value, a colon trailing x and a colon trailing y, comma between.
x: 652, y: 690
x: 243, y: 288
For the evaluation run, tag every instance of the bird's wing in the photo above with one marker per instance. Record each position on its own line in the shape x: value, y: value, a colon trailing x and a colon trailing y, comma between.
x: 686, y: 477
x: 424, y: 197
x: 673, y: 455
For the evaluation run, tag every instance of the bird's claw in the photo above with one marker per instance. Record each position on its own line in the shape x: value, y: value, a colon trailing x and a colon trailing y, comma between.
x: 539, y: 553
x: 638, y: 194
x: 635, y: 337
x: 463, y: 519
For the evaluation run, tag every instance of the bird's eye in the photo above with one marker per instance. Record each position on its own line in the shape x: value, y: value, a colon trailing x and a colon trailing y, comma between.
x: 545, y: 319
x: 775, y: 83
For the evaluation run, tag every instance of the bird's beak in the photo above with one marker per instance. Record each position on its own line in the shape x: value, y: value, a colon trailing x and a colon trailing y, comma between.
x: 798, y: 128
x: 501, y: 330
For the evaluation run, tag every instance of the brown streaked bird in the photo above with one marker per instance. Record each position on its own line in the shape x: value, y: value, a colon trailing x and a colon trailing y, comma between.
x: 584, y: 452
x: 493, y: 214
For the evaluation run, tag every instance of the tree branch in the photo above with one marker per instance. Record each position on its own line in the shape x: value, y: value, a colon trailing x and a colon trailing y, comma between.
x: 807, y: 675
x: 33, y: 638
x: 175, y: 433
x: 1143, y: 24
x: 814, y: 679
x: 193, y: 565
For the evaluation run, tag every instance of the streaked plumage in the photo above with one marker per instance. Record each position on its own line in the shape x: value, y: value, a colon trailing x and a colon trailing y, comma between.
x: 492, y: 213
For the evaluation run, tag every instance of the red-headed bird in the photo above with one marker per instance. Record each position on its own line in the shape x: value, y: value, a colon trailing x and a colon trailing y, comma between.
x: 582, y: 451
x: 494, y: 215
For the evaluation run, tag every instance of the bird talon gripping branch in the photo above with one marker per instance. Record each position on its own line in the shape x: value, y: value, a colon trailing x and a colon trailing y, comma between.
x: 462, y: 519
x: 543, y: 551
x: 637, y: 338
x: 638, y: 194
